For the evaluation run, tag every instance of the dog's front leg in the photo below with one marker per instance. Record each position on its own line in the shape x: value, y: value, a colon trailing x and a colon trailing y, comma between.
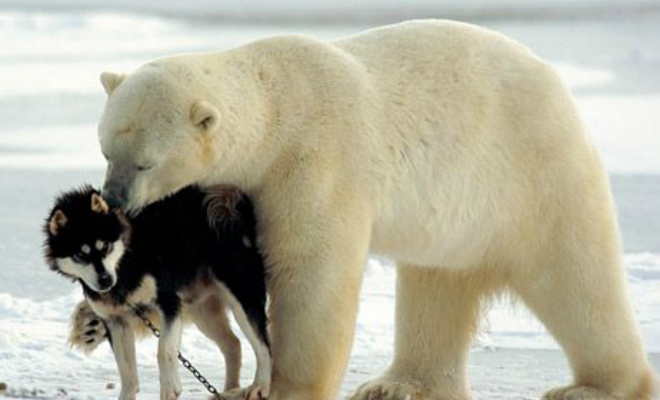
x: 168, y: 351
x: 122, y: 341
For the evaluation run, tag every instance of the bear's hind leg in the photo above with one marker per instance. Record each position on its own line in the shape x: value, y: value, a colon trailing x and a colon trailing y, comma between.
x: 579, y: 294
x: 436, y: 315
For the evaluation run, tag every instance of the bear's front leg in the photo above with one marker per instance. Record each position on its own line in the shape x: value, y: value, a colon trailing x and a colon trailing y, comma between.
x: 314, y: 284
x: 313, y: 321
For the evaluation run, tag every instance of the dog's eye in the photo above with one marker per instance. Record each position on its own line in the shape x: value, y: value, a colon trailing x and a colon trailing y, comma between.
x: 80, y: 257
x: 106, y: 248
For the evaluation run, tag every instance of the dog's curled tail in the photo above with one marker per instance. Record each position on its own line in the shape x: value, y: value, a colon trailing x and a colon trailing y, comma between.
x: 231, y: 214
x: 87, y: 329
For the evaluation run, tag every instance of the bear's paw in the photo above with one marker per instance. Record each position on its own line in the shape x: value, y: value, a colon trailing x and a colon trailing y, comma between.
x: 390, y: 389
x: 577, y: 393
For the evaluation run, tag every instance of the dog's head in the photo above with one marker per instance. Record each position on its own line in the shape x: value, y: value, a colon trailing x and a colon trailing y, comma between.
x: 85, y: 238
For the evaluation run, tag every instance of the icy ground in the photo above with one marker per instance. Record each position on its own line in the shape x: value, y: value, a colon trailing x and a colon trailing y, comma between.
x: 513, y: 358
x: 50, y: 99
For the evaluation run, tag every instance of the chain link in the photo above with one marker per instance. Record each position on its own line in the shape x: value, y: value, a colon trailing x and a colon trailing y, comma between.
x: 139, y: 312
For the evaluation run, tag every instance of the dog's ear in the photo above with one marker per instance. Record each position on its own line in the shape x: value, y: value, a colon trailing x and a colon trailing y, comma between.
x: 99, y: 205
x: 57, y: 222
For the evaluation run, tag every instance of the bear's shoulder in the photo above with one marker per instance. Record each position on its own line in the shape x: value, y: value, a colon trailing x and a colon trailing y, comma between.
x: 289, y: 46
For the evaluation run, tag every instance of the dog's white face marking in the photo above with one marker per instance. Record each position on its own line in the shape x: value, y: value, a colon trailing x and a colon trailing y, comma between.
x: 74, y: 267
x: 99, y: 244
x: 77, y: 270
x: 111, y: 261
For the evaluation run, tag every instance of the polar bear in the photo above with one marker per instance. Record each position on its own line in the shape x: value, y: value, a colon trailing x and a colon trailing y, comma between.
x: 447, y: 147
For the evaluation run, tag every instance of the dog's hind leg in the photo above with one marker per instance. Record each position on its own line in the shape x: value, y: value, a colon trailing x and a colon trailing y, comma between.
x: 122, y: 341
x: 210, y: 317
x: 250, y: 315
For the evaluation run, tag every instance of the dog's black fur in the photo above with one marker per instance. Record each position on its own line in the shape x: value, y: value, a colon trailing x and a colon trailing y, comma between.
x: 173, y: 241
x: 186, y: 237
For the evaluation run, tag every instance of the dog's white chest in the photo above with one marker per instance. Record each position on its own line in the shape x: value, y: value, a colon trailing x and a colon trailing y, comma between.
x: 145, y: 294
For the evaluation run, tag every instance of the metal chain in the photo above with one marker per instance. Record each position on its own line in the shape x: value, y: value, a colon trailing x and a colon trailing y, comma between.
x: 139, y: 312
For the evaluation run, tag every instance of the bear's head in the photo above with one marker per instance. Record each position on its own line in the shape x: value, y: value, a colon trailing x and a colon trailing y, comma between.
x: 156, y: 134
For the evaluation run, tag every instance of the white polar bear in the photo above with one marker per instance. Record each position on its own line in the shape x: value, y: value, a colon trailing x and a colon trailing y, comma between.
x: 447, y: 147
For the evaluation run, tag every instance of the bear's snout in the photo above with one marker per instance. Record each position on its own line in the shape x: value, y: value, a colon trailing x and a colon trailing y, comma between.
x: 115, y: 195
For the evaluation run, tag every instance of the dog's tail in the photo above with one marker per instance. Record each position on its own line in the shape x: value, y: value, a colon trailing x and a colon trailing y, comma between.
x: 87, y: 329
x: 231, y: 214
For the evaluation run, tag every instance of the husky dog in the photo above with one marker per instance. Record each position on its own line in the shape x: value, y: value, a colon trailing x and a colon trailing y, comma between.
x: 190, y: 256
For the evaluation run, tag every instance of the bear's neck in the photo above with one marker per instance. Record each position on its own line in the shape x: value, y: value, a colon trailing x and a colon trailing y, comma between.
x: 263, y: 113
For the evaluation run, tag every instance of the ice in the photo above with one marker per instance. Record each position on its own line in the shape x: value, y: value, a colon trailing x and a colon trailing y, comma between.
x: 35, y: 333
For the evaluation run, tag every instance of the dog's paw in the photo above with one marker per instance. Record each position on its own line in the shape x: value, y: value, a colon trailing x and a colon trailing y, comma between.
x: 170, y: 392
x: 577, y: 393
x: 128, y: 393
x: 386, y: 389
x: 170, y: 386
x: 253, y: 392
x: 257, y: 391
x: 233, y: 394
x: 87, y: 329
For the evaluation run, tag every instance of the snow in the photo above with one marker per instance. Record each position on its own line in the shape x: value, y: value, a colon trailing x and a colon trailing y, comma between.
x: 512, y: 346
x: 50, y: 100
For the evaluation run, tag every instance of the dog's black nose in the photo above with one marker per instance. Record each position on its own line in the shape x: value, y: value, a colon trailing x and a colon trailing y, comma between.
x: 105, y: 281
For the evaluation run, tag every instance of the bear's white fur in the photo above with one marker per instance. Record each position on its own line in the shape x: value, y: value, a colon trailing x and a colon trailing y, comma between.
x: 447, y: 147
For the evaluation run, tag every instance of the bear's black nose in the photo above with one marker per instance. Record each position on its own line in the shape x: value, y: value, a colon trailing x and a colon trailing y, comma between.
x: 114, y: 197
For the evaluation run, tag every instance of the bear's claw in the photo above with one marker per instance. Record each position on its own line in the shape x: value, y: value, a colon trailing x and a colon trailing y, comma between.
x: 386, y: 389
x: 576, y: 393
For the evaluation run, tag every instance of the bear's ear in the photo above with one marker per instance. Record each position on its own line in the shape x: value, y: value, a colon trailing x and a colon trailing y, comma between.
x: 110, y: 81
x: 204, y: 116
x: 99, y: 205
x: 57, y: 222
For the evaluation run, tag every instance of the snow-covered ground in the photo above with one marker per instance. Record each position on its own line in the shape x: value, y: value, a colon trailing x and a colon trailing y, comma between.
x: 50, y: 100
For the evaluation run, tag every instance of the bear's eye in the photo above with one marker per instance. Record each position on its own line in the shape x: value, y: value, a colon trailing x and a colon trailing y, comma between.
x: 144, y: 167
